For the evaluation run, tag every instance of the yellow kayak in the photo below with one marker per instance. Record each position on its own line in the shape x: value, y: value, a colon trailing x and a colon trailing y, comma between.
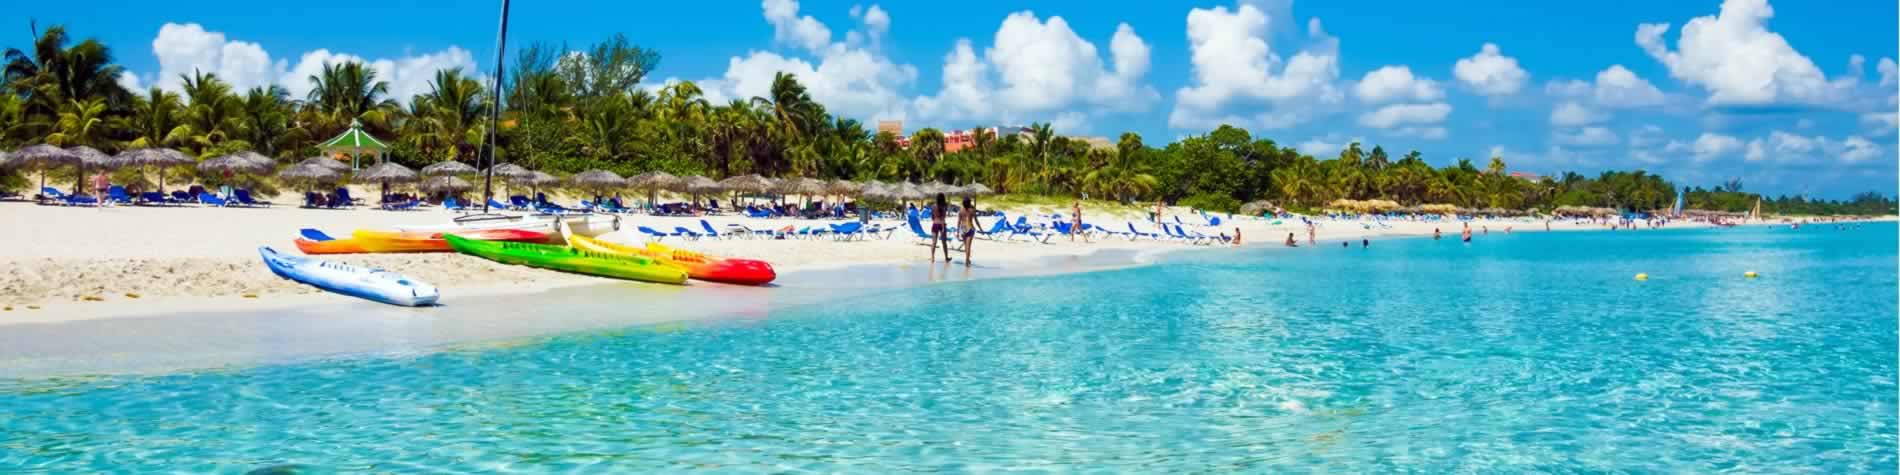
x: 699, y: 266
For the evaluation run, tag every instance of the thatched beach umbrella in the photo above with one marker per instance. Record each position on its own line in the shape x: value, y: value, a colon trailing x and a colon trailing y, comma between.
x: 746, y: 184
x: 90, y: 158
x: 976, y: 189
x: 386, y: 173
x: 152, y: 157
x: 841, y: 187
x: 909, y: 191
x: 697, y: 185
x: 241, y: 162
x: 445, y: 184
x: 310, y: 174
x: 510, y: 171
x: 326, y: 162
x: 597, y: 181
x: 42, y: 157
x: 653, y: 182
x: 450, y: 167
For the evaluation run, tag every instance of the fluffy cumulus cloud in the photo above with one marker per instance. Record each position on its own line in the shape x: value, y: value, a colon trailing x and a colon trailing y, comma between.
x: 1234, y: 67
x: 1585, y: 136
x: 790, y: 28
x: 1707, y: 146
x: 1739, y: 60
x: 1615, y: 87
x: 1038, y: 69
x: 1405, y: 114
x: 1782, y: 146
x: 1327, y: 146
x: 185, y: 49
x: 1572, y: 114
x: 1396, y: 83
x: 1490, y: 72
x: 850, y: 79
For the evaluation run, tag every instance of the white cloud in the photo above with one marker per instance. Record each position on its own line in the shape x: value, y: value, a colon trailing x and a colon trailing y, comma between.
x: 1646, y: 136
x: 1889, y: 76
x: 1404, y: 114
x: 876, y: 20
x: 1881, y: 122
x: 790, y: 28
x: 1396, y: 83
x: 1708, y: 146
x: 1427, y: 133
x: 182, y: 49
x: 1615, y: 87
x: 1737, y: 59
x: 1327, y: 146
x: 1234, y: 66
x: 1571, y: 114
x: 849, y: 82
x: 131, y: 82
x: 1618, y: 87
x: 1786, y: 147
x: 1586, y: 136
x: 1490, y: 72
x: 1036, y: 68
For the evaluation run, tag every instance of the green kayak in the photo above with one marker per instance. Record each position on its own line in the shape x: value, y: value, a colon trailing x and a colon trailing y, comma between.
x: 567, y: 259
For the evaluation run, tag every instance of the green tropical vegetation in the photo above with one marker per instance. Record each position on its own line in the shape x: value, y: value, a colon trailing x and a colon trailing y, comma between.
x: 570, y: 110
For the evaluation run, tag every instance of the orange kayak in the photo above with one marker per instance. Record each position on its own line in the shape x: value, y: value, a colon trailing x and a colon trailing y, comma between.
x: 333, y: 246
x: 397, y: 241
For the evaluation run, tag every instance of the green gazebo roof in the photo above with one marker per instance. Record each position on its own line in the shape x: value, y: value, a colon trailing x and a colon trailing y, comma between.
x: 355, y: 138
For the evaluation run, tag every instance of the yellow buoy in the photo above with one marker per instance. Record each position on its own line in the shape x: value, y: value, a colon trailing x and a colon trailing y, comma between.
x: 1642, y: 276
x: 1750, y: 274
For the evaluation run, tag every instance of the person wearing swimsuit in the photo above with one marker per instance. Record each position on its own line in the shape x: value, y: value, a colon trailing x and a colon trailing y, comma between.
x: 937, y: 234
x: 1075, y: 225
x: 966, y: 227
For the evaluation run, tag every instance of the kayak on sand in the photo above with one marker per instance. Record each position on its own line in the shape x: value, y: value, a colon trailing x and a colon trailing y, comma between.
x: 699, y: 266
x: 367, y: 283
x: 397, y: 241
x: 568, y: 259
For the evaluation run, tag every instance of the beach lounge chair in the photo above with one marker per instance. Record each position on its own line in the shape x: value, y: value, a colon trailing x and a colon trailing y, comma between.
x: 612, y: 205
x: 710, y: 232
x: 205, y: 197
x: 402, y: 205
x: 182, y: 197
x: 1022, y: 228
x: 244, y: 198
x: 153, y: 198
x: 451, y: 204
x: 48, y: 193
x: 116, y: 195
x: 686, y: 233
x: 497, y: 205
x: 995, y: 231
x: 847, y: 231
x: 519, y: 203
x: 343, y: 199
x: 1137, y: 233
x: 657, y: 235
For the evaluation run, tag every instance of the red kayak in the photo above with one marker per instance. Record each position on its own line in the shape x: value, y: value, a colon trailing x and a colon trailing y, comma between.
x: 716, y: 269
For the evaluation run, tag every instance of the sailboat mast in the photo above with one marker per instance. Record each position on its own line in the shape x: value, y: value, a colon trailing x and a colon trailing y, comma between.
x: 494, y: 112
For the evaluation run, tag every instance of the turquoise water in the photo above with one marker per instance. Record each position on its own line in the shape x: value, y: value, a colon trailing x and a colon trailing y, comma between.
x: 1527, y: 352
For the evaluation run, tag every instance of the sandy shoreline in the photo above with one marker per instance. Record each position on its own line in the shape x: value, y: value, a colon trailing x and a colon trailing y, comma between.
x: 77, y: 263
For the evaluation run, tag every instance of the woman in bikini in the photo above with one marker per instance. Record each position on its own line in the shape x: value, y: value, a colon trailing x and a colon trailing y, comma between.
x: 966, y: 228
x: 937, y: 232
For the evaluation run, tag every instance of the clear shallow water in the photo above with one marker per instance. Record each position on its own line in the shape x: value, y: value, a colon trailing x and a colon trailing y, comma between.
x: 1516, y: 353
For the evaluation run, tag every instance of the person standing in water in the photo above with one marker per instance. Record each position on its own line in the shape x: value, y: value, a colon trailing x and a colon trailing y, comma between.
x: 1435, y: 234
x: 1312, y: 238
x: 937, y: 231
x: 1466, y: 235
x: 1290, y: 242
x: 966, y: 228
x: 1236, y: 237
x: 1075, y: 222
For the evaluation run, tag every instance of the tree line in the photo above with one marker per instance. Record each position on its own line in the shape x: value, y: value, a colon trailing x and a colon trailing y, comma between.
x: 567, y: 109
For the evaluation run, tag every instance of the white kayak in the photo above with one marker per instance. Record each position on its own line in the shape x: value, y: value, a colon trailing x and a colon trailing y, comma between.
x: 589, y: 225
x: 373, y: 284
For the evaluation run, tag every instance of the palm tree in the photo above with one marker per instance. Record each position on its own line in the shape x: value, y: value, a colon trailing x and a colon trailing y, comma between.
x: 927, y: 145
x: 155, y: 119
x: 212, y: 116
x: 348, y: 91
x: 1041, y: 134
x: 265, y: 120
x: 453, y: 112
x: 1496, y: 167
x: 53, y: 75
x: 81, y: 123
x: 790, y: 104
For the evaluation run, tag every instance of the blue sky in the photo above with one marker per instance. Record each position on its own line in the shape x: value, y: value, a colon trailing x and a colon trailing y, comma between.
x: 1758, y: 90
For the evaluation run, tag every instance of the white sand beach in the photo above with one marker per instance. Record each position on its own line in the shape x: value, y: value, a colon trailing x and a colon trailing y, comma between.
x: 72, y: 263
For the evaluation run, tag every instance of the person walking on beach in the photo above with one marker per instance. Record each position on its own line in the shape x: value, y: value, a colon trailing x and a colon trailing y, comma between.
x: 1075, y: 222
x: 1311, y: 235
x: 937, y: 231
x: 1158, y: 208
x: 966, y: 228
